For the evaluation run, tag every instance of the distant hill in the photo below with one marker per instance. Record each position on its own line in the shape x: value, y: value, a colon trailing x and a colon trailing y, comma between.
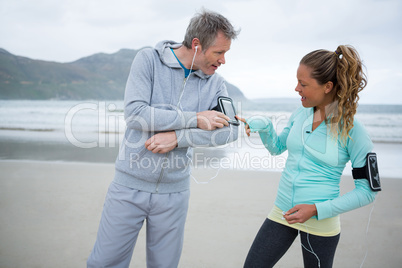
x: 100, y: 76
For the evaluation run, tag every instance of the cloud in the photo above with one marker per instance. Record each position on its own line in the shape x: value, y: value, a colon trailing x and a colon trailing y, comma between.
x: 262, y: 62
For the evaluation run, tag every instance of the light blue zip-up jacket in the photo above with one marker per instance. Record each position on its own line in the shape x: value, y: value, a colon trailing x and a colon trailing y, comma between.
x: 315, y: 163
x: 154, y: 86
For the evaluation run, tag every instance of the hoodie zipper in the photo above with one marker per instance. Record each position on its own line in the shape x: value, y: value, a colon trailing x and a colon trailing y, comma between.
x: 167, y: 154
x: 162, y: 172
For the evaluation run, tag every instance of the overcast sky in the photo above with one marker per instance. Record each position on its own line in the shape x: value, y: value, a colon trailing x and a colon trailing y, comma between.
x: 263, y: 61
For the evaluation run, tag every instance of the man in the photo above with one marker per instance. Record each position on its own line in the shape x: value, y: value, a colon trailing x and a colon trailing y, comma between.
x: 169, y: 97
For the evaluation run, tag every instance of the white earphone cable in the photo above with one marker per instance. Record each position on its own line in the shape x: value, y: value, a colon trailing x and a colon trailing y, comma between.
x: 181, y: 108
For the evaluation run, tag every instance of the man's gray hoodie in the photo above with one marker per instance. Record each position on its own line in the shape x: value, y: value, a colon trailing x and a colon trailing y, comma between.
x: 155, y: 85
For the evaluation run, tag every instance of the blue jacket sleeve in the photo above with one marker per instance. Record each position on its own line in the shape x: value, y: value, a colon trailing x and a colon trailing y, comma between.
x: 358, y: 145
x: 276, y: 144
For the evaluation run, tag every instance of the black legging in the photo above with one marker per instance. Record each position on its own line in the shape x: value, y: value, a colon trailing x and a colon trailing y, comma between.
x: 274, y: 239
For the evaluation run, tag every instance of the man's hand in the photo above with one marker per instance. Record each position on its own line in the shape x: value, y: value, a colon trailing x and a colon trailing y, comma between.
x: 162, y: 142
x: 210, y: 120
x: 300, y: 213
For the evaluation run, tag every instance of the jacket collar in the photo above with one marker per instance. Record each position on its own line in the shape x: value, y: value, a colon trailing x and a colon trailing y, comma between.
x: 167, y: 57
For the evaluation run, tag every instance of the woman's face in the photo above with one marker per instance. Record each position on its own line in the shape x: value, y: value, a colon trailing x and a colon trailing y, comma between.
x: 312, y: 93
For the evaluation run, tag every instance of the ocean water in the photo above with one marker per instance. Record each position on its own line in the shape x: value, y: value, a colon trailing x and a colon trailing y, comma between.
x: 100, y: 124
x: 383, y: 122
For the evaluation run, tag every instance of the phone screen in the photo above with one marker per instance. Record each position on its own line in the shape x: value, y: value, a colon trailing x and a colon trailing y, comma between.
x: 229, y: 110
x: 225, y: 105
x: 373, y: 170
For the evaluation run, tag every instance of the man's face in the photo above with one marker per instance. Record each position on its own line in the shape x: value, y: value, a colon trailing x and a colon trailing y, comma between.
x: 208, y: 61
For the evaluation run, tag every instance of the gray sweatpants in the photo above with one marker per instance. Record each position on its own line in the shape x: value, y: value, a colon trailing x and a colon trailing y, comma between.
x: 124, y: 212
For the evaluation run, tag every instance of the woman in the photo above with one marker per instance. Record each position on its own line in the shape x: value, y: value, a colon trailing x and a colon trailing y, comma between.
x: 321, y: 137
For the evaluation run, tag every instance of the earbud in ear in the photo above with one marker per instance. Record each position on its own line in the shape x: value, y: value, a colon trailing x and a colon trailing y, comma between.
x: 196, y: 48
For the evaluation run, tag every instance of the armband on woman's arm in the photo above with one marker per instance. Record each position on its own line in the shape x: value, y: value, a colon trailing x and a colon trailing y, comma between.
x: 369, y: 172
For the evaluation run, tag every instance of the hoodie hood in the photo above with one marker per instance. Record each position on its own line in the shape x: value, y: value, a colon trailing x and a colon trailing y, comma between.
x: 168, y: 58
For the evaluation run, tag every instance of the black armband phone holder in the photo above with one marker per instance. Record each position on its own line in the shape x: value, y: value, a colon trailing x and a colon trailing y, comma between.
x: 225, y: 105
x: 369, y: 172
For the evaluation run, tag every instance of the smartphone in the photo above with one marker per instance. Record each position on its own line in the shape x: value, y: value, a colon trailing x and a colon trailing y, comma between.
x: 225, y: 105
x: 369, y: 172
x: 374, y: 176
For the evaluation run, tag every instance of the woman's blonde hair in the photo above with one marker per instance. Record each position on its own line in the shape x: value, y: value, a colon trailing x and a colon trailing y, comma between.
x: 345, y: 70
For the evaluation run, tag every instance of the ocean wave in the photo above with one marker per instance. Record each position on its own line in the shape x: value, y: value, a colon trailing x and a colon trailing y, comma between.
x: 28, y: 129
x: 383, y: 122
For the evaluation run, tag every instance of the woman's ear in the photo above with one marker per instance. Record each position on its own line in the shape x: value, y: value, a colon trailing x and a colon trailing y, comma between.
x: 328, y: 87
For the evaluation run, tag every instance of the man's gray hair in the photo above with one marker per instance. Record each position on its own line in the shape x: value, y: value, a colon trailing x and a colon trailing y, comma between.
x: 205, y: 26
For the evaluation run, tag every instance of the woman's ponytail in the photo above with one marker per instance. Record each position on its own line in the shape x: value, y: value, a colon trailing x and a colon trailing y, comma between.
x: 350, y: 81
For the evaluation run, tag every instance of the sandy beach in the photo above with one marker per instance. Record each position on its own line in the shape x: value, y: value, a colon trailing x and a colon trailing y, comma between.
x: 50, y: 213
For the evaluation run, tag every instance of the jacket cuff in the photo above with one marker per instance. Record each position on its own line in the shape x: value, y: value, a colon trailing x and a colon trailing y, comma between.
x: 324, y: 210
x: 183, y: 138
x: 259, y: 124
x: 190, y: 119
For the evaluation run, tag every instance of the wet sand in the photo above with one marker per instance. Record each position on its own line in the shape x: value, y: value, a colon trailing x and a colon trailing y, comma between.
x: 50, y: 213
